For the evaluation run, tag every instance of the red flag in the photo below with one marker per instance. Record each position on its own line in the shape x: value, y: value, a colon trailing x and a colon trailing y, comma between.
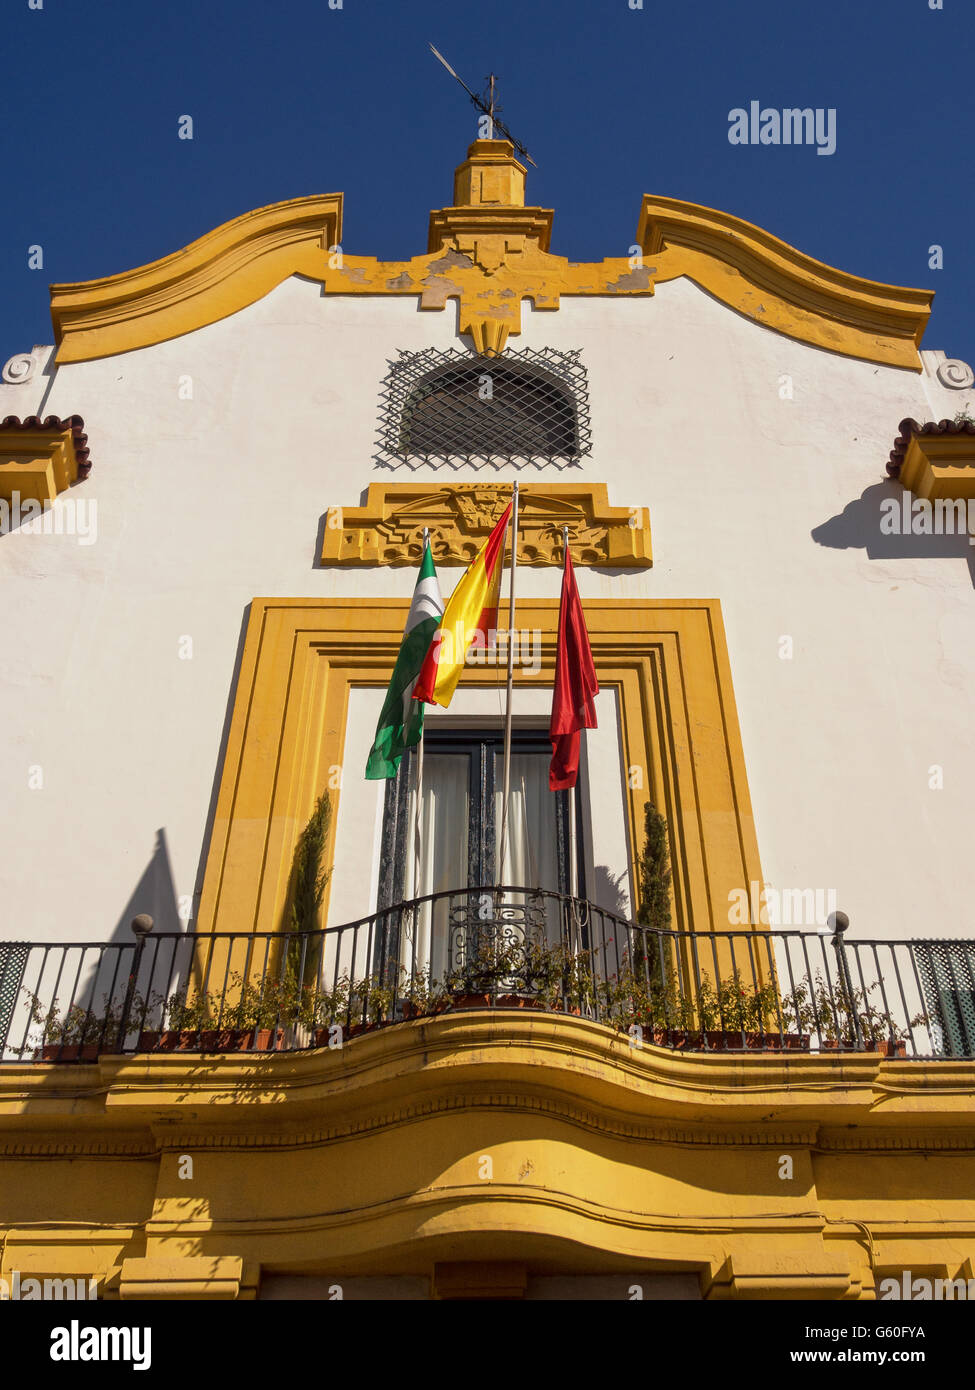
x: 573, y: 706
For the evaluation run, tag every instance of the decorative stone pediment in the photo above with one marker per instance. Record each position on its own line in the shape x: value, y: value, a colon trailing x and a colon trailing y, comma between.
x: 388, y: 530
x: 490, y: 253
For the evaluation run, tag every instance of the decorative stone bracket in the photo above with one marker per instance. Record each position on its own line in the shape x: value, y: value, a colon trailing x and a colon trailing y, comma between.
x: 219, y: 1277
x: 936, y: 461
x: 40, y: 458
x: 388, y: 530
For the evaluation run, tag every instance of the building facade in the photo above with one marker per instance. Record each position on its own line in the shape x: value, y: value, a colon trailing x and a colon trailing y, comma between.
x: 215, y: 487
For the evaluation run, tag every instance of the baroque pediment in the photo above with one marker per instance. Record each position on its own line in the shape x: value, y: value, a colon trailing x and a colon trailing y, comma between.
x: 388, y: 529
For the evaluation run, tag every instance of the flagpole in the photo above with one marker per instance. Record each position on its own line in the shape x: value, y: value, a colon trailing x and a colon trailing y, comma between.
x: 573, y: 865
x: 511, y: 661
x: 419, y: 770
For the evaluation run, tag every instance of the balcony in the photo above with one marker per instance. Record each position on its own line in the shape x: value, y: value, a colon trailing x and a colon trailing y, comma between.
x: 501, y: 949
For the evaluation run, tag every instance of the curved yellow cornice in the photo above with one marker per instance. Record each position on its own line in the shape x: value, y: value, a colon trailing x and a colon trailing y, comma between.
x: 491, y: 255
x: 217, y: 275
x: 774, y: 284
x: 370, y: 1158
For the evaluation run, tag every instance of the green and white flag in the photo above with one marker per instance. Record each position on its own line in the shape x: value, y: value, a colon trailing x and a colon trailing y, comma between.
x: 401, y: 722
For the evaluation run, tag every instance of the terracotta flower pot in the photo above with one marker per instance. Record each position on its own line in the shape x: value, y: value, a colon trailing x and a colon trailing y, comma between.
x: 183, y: 1039
x: 676, y: 1038
x: 472, y: 1001
x: 148, y: 1041
x: 523, y: 1001
x: 884, y: 1046
x: 777, y: 1042
x: 69, y: 1052
x: 355, y: 1029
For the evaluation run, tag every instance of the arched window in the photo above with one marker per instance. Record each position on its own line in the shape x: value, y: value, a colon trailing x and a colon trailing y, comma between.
x: 523, y: 407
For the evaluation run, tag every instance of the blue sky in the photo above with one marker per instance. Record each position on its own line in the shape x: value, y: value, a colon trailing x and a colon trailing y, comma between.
x: 294, y: 98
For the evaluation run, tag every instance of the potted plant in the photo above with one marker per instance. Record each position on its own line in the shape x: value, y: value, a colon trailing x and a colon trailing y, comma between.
x: 848, y: 1020
x: 473, y: 984
x: 322, y: 1009
x: 421, y: 996
x: 82, y: 1034
x: 756, y: 1016
x: 370, y: 1004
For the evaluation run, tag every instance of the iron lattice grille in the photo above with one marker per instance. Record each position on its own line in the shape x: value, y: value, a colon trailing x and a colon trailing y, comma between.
x: 13, y: 959
x: 947, y: 970
x: 455, y: 408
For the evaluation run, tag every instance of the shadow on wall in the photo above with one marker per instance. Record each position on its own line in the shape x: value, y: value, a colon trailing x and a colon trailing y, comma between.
x: 874, y: 525
x: 221, y: 756
x: 155, y: 893
x: 609, y: 891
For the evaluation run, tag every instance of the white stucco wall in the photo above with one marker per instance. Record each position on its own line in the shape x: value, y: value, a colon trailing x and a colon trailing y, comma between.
x: 770, y: 505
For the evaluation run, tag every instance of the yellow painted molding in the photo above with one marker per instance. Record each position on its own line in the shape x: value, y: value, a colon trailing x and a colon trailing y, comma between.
x: 190, y: 1276
x: 388, y: 530
x: 39, y: 461
x: 217, y: 275
x: 605, y: 1157
x: 793, y: 1275
x: 491, y: 252
x: 666, y: 660
x: 780, y: 287
x: 940, y: 466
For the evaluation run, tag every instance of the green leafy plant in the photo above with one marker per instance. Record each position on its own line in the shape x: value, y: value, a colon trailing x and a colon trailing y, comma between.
x: 318, y: 1007
x: 371, y: 1000
x: 193, y: 1012
x: 420, y: 994
x: 837, y: 1013
x: 309, y: 878
x: 654, y: 891
x: 79, y: 1026
x: 486, y: 964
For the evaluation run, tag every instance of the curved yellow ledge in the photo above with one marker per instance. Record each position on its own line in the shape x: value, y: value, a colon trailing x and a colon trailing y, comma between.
x: 493, y: 1136
x: 217, y: 275
x: 774, y: 284
x: 491, y: 265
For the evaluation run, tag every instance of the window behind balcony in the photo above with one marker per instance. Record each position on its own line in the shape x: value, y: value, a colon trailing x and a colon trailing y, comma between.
x: 459, y: 840
x: 460, y: 818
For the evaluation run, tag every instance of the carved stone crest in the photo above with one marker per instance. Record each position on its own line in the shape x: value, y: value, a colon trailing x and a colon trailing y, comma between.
x: 388, y: 530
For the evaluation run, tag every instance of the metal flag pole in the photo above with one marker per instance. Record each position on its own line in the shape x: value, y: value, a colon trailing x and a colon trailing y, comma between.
x: 513, y: 524
x: 573, y: 865
x: 418, y: 821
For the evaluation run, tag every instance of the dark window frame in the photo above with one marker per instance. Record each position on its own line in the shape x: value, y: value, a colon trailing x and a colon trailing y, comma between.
x: 481, y: 746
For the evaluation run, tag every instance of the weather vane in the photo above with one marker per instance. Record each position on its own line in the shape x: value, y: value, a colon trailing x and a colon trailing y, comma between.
x: 488, y: 106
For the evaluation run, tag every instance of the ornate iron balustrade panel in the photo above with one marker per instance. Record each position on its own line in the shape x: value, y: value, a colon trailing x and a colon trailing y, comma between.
x: 495, y: 945
x: 737, y: 991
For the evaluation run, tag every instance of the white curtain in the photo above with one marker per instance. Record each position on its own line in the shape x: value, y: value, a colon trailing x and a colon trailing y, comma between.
x: 441, y: 865
x: 531, y: 853
x: 531, y: 856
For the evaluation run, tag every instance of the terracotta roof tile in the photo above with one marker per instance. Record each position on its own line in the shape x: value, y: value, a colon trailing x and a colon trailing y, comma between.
x: 74, y: 423
x: 909, y: 428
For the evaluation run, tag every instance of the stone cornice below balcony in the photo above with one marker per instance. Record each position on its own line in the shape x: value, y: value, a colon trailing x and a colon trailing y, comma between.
x: 564, y: 1068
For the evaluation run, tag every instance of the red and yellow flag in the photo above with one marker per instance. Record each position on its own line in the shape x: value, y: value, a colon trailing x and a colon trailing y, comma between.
x: 472, y: 609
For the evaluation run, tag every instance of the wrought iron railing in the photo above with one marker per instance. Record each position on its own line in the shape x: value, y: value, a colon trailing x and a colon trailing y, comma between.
x: 747, y: 990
